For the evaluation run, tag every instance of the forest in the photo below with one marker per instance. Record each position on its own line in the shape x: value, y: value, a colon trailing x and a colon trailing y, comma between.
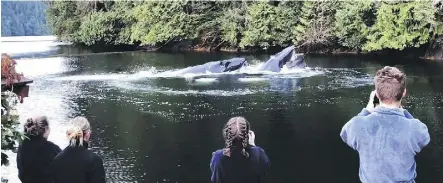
x: 21, y: 18
x: 353, y: 26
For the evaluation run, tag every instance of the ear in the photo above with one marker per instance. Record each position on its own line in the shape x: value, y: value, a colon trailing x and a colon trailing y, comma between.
x: 404, y: 93
x: 87, y: 135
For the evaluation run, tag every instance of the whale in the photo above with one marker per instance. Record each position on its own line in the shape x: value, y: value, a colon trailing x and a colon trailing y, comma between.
x: 216, y: 66
x: 286, y: 57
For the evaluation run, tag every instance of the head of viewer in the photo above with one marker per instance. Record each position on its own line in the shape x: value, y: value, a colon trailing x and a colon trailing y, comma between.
x: 390, y: 85
x: 79, y: 130
x: 236, y: 135
x: 37, y: 127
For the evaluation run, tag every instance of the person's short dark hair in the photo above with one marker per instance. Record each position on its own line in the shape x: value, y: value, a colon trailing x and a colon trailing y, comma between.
x: 390, y: 83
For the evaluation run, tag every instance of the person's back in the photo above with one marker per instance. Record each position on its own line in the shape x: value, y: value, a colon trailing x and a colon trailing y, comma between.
x: 240, y: 161
x: 238, y: 168
x: 77, y: 164
x: 35, y: 153
x: 387, y: 141
x: 386, y: 137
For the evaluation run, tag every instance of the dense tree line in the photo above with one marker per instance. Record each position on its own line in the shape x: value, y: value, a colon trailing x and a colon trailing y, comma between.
x: 312, y: 26
x: 21, y: 18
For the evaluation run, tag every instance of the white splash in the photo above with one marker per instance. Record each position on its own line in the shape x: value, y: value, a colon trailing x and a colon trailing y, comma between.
x: 206, y: 80
x: 42, y: 66
x: 252, y: 79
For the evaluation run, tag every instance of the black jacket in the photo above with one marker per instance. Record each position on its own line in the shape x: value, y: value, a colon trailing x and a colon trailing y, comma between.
x: 34, y: 160
x: 78, y: 165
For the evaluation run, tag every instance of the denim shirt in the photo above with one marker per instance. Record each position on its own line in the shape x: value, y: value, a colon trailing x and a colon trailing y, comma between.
x: 387, y: 141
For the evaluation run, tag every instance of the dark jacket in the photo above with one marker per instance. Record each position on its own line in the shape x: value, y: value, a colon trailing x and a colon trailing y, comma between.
x: 78, y: 165
x: 238, y: 168
x: 34, y: 159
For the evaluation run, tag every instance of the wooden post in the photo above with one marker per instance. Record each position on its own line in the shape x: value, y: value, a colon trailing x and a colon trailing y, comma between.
x: 21, y: 88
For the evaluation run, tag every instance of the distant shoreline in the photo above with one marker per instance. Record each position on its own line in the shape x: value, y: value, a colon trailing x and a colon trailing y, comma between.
x: 27, y: 38
x: 410, y: 53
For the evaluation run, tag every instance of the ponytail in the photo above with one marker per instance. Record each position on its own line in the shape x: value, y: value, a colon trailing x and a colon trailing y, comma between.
x: 79, y: 126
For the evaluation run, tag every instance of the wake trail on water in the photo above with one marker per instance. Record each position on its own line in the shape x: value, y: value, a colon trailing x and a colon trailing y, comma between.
x: 245, y: 81
x: 251, y: 70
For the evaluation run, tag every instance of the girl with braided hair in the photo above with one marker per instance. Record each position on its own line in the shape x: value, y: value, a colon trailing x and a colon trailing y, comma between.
x: 35, y: 153
x: 241, y: 161
x: 76, y: 163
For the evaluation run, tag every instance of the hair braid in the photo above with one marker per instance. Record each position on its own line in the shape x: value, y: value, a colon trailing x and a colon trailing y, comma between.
x: 235, y: 133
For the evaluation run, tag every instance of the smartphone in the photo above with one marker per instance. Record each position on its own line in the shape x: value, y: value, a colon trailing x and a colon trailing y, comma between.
x: 376, y: 101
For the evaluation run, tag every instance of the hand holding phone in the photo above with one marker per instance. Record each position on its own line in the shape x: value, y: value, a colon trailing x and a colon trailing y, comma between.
x: 373, y: 102
x: 251, y: 138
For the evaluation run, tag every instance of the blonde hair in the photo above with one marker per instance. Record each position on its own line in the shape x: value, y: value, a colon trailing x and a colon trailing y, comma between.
x: 79, y: 126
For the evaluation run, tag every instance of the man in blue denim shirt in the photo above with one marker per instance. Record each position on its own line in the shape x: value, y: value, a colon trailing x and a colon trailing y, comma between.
x: 386, y: 136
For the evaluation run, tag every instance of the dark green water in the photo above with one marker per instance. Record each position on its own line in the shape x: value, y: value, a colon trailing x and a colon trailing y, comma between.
x: 163, y: 129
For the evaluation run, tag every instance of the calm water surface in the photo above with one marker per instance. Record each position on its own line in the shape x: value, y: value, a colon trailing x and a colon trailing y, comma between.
x: 150, y: 125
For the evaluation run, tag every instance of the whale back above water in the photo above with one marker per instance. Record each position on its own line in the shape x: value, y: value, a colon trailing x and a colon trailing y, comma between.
x: 217, y: 66
x: 285, y: 57
x: 276, y: 62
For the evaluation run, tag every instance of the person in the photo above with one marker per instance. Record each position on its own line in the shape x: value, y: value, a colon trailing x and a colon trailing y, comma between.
x: 77, y: 164
x: 241, y: 161
x: 35, y: 153
x: 387, y: 137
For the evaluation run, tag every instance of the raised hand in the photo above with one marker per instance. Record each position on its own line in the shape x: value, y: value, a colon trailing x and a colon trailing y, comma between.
x: 370, y: 106
x: 251, y: 138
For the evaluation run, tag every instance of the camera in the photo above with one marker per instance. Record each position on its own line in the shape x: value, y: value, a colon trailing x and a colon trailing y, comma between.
x: 376, y: 101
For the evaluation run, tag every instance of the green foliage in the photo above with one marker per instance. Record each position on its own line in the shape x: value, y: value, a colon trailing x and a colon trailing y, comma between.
x: 159, y: 22
x: 23, y: 18
x: 232, y: 22
x: 310, y: 25
x: 10, y: 121
x: 63, y: 19
x: 350, y: 23
x: 402, y: 25
x: 268, y: 25
x: 315, y: 29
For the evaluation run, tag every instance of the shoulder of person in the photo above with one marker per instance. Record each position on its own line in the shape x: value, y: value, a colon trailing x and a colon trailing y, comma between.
x: 94, y: 156
x: 51, y: 147
x: 52, y: 144
x: 218, y: 152
x: 357, y: 121
x: 418, y: 125
x: 361, y: 116
x: 257, y: 148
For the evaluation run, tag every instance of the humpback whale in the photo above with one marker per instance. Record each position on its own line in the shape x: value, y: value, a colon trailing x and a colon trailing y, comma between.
x: 216, y: 66
x: 286, y: 57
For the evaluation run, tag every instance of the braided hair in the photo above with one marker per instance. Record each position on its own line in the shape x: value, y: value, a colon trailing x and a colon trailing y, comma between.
x: 36, y: 126
x: 236, y: 136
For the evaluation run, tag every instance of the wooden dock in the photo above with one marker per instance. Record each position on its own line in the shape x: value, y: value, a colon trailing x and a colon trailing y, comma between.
x: 21, y: 88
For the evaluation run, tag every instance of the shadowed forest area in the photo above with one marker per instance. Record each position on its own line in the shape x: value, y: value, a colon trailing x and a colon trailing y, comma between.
x: 314, y: 27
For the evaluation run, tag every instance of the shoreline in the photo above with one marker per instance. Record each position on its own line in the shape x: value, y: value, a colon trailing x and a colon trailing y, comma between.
x: 412, y: 53
x: 425, y: 52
